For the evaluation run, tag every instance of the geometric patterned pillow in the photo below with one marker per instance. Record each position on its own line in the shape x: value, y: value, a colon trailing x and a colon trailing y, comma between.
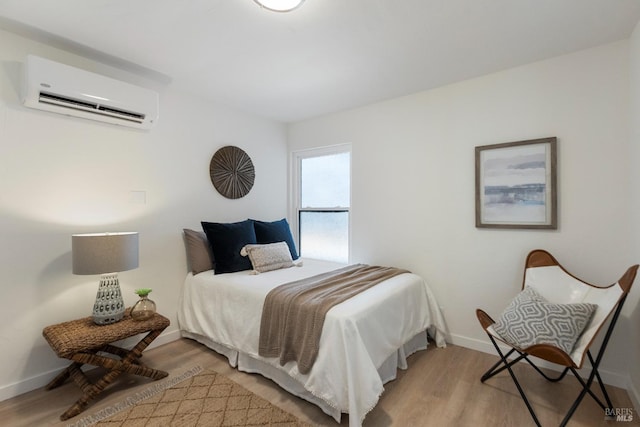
x: 530, y: 319
x: 271, y: 256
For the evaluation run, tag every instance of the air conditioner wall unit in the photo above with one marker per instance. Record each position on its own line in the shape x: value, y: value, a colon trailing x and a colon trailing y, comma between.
x: 63, y: 89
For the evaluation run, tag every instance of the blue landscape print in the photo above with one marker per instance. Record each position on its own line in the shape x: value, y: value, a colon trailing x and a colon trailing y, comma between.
x: 515, y: 185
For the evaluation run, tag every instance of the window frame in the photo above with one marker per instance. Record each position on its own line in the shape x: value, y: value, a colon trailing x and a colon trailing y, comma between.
x: 295, y: 200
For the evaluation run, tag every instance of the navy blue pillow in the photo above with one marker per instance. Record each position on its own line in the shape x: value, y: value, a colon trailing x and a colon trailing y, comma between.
x: 274, y: 232
x: 226, y: 241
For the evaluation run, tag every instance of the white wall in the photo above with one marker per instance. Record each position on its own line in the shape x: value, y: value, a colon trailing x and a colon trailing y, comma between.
x: 632, y: 304
x: 60, y: 176
x: 413, y: 182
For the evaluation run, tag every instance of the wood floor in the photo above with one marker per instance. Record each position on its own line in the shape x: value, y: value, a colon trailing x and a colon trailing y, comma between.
x: 440, y: 388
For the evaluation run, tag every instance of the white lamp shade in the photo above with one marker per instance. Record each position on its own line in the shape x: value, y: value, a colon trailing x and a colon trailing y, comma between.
x: 101, y: 253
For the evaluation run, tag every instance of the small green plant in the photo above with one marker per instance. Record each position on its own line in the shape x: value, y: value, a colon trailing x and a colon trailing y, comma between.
x: 143, y: 292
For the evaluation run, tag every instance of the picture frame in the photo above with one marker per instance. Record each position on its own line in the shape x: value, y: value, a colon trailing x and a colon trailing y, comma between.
x: 516, y: 185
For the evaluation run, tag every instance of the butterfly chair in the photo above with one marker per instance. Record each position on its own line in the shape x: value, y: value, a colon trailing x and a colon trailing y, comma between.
x: 556, y: 318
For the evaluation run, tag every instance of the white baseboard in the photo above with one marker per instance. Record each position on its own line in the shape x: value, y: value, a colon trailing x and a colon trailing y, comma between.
x: 165, y: 338
x: 616, y: 379
x: 40, y: 380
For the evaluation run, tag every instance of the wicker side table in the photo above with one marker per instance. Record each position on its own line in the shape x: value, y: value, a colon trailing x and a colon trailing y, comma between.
x: 81, y: 340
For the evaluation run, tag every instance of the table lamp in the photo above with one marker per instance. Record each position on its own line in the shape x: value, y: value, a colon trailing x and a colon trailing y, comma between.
x: 105, y: 254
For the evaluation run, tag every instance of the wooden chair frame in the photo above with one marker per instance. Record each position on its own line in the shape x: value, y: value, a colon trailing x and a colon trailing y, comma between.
x: 541, y: 258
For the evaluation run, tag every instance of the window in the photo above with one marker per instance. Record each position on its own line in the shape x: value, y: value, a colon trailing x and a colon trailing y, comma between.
x: 322, y: 194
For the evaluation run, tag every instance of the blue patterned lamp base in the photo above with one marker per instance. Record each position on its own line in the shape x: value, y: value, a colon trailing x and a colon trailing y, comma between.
x: 109, y: 305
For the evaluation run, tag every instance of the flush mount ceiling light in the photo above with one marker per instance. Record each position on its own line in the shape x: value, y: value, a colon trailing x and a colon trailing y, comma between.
x: 280, y: 5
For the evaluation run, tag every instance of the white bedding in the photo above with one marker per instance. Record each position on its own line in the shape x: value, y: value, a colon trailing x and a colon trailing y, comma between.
x: 364, y: 339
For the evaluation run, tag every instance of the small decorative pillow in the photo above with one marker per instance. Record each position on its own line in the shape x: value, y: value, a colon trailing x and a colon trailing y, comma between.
x: 272, y: 256
x: 530, y: 319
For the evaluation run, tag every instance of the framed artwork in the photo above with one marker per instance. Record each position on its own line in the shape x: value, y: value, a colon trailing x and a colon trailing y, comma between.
x: 516, y: 185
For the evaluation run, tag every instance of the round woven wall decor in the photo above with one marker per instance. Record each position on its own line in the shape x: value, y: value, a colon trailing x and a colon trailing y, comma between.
x: 232, y: 172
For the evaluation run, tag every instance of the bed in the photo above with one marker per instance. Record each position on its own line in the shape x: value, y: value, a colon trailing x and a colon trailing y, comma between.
x: 364, y: 340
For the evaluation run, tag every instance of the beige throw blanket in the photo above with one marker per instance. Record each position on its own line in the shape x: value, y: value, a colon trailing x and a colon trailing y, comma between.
x: 293, y: 314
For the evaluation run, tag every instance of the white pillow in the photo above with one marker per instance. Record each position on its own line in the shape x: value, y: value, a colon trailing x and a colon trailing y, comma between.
x: 272, y: 256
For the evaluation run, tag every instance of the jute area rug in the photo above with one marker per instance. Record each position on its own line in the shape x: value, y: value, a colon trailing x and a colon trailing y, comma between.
x: 196, y: 398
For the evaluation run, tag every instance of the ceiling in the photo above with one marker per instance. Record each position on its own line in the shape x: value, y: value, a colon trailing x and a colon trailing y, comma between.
x: 326, y: 56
